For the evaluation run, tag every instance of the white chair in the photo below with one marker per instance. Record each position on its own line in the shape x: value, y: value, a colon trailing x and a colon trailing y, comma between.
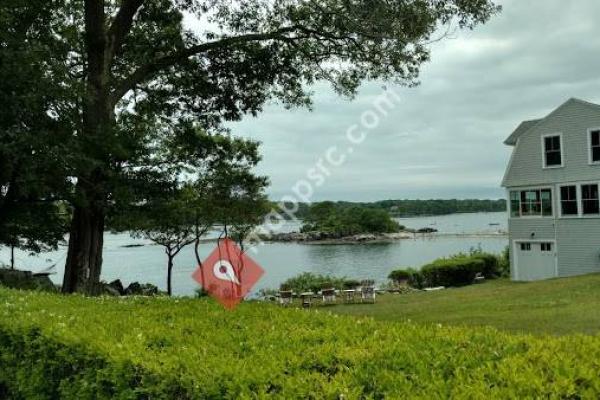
x: 328, y: 296
x: 367, y: 292
x: 285, y: 297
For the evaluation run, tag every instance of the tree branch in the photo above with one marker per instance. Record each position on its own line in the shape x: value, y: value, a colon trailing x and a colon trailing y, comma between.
x: 120, y: 27
x: 160, y: 63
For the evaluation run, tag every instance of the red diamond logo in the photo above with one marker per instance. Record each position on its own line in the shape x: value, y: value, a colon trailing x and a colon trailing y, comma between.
x: 228, y: 274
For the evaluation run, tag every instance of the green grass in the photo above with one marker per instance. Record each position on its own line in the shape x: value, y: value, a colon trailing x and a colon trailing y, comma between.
x: 71, y: 347
x: 559, y: 306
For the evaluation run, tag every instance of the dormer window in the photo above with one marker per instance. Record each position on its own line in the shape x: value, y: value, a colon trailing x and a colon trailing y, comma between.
x: 552, y: 151
x: 595, y: 146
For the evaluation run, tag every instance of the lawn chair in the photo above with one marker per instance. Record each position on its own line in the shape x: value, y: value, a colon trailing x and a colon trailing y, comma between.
x: 306, y: 299
x: 349, y: 295
x: 285, y: 297
x: 328, y: 296
x: 367, y: 291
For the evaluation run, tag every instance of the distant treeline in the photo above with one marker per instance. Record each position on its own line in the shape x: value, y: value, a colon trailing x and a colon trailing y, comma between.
x: 411, y: 208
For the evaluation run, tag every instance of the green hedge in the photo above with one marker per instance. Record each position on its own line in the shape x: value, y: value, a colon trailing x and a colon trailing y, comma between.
x: 456, y: 271
x: 56, y: 347
x: 491, y: 264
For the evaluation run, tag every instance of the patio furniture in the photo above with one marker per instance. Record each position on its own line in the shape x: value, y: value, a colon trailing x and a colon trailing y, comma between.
x: 285, y: 297
x: 306, y: 299
x: 367, y: 291
x: 328, y: 295
x: 349, y: 295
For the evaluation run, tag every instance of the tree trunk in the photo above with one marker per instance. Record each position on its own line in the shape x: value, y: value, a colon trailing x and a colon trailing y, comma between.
x: 12, y: 257
x: 198, y: 260
x: 84, y: 258
x: 169, y: 273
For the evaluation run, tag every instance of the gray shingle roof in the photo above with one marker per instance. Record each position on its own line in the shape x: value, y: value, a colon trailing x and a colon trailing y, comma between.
x: 521, y: 129
x: 527, y: 125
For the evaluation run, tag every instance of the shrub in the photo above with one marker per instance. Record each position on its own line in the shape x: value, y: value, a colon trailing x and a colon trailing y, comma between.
x: 399, y: 275
x: 504, y: 263
x: 309, y: 282
x: 71, y: 347
x: 491, y: 264
x: 416, y: 279
x: 456, y: 271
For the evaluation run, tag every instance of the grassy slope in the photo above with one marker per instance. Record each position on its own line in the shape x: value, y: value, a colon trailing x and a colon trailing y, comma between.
x: 190, y: 348
x: 560, y: 306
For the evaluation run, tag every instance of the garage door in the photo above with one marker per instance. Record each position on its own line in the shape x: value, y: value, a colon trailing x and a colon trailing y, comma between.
x: 535, y: 260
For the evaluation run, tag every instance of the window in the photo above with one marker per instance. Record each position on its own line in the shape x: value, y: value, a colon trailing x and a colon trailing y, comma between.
x: 514, y: 204
x: 589, y: 199
x: 552, y: 151
x: 568, y: 200
x: 595, y: 146
x: 531, y: 203
x: 546, y: 246
x: 525, y: 246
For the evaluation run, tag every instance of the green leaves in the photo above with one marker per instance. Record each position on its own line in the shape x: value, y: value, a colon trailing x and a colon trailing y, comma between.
x: 339, y: 220
x: 82, y: 348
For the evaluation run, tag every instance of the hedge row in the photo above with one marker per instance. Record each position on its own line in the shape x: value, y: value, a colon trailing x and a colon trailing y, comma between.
x: 54, y: 347
x: 459, y: 270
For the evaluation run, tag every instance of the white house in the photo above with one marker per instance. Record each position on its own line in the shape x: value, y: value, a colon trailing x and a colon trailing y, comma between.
x: 553, y: 198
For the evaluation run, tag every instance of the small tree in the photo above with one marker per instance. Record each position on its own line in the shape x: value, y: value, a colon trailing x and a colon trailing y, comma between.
x: 168, y: 223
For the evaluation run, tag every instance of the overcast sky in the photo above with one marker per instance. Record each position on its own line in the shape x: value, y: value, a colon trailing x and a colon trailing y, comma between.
x: 444, y: 138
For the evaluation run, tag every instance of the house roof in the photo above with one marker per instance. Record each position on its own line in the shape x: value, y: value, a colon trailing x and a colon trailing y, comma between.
x: 527, y: 125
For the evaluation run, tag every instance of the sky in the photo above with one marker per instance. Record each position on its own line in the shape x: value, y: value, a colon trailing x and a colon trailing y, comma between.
x: 442, y: 139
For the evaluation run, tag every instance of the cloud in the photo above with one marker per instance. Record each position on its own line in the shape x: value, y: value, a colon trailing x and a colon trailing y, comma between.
x: 445, y: 137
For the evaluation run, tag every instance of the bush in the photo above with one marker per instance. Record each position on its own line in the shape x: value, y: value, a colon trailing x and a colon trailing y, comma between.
x: 456, y: 271
x: 309, y: 282
x: 399, y: 275
x: 504, y: 263
x: 416, y: 279
x: 72, y: 347
x: 491, y: 264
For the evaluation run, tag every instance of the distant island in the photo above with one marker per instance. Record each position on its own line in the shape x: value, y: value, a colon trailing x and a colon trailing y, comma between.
x: 410, y: 208
x: 330, y: 222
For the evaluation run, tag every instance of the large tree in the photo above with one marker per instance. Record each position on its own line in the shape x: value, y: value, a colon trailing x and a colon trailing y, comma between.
x: 33, y: 178
x: 140, y: 70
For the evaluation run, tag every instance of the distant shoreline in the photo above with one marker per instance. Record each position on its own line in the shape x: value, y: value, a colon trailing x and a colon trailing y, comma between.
x: 381, y: 238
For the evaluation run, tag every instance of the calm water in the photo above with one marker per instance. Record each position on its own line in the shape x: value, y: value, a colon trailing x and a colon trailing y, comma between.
x: 281, y: 261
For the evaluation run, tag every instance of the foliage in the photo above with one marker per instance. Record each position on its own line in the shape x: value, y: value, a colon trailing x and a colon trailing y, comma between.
x: 491, y: 264
x: 223, y: 191
x: 408, y: 208
x: 106, y: 348
x: 399, y: 275
x: 33, y: 177
x: 309, y: 282
x: 350, y: 284
x: 327, y: 218
x: 504, y: 263
x: 455, y: 271
x: 127, y: 78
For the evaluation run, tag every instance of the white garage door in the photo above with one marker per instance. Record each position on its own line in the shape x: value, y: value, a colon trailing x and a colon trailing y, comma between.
x: 535, y: 260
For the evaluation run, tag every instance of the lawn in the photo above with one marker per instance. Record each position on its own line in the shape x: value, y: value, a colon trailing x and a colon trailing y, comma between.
x: 71, y: 347
x: 559, y: 306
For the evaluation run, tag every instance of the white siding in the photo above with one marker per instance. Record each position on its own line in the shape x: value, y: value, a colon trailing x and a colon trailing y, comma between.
x: 578, y: 246
x: 572, y: 120
x: 522, y: 228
